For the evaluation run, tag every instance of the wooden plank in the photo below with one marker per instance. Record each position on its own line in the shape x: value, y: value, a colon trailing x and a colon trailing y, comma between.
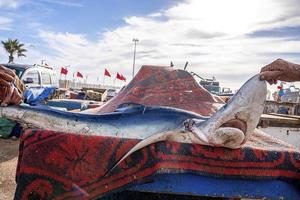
x: 284, y: 115
x: 278, y: 121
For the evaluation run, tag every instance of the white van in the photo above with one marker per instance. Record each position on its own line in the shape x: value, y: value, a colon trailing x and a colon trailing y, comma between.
x: 35, y: 75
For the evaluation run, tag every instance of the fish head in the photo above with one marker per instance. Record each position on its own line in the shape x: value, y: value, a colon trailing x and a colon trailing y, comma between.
x: 11, y: 112
x: 247, y: 104
x: 246, y: 107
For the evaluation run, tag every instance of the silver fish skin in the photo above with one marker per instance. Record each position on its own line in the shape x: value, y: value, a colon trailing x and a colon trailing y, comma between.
x: 138, y: 122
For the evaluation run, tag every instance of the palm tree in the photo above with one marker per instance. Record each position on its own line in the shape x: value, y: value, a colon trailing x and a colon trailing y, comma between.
x: 13, y: 47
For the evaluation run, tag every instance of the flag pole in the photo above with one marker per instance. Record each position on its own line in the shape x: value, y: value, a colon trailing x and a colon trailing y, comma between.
x: 86, y: 77
x: 66, y: 76
x: 65, y: 81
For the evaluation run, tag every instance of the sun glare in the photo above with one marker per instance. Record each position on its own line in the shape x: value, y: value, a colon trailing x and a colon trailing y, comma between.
x: 230, y: 16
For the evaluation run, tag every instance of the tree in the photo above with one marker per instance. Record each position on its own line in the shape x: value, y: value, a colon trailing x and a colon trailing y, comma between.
x: 13, y: 47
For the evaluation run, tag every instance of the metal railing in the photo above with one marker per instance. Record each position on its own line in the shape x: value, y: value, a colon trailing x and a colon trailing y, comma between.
x: 68, y: 84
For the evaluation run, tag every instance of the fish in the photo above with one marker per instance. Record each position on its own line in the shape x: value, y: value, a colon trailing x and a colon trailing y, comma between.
x: 152, y: 124
x: 246, y: 105
x: 133, y: 121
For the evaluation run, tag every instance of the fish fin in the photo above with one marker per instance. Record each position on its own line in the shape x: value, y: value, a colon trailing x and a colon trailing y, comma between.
x: 130, y: 108
x: 147, y: 141
x: 129, y: 105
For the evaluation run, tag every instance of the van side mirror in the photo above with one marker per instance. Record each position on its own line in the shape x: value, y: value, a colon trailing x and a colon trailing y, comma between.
x: 28, y: 80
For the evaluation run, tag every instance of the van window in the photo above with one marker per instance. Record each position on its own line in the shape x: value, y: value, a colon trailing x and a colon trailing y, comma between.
x: 46, y: 80
x: 54, y: 80
x: 34, y: 75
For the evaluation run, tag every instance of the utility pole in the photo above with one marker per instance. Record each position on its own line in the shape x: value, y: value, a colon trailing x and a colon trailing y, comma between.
x: 133, y: 66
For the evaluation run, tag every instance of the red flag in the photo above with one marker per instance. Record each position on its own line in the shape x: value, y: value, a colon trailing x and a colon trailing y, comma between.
x: 123, y: 77
x: 64, y: 71
x: 79, y: 75
x: 106, y: 73
x: 119, y: 77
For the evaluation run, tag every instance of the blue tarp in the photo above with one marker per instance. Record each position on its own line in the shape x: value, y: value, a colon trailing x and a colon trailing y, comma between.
x: 34, y: 96
x: 281, y: 93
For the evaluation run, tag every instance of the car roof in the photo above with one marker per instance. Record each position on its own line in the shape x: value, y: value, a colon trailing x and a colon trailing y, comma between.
x: 25, y: 66
x: 19, y: 66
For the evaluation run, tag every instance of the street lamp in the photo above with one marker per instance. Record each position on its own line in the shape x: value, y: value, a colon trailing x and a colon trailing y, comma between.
x: 135, y: 41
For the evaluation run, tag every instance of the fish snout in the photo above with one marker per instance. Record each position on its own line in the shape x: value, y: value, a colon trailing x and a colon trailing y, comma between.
x: 11, y: 112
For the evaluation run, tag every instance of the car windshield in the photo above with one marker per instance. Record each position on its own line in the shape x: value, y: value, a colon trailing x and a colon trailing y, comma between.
x: 18, y: 71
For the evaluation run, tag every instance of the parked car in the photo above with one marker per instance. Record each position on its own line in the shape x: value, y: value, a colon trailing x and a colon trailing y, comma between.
x: 35, y: 75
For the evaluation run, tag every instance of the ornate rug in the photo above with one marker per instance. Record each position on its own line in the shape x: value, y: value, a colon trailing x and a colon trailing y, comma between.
x: 55, y: 165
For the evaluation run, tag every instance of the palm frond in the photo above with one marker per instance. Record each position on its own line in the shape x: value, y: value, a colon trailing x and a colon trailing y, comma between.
x: 21, y: 55
x: 22, y: 50
x: 14, y: 47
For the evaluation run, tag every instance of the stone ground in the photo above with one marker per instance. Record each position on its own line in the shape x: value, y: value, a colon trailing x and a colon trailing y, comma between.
x: 8, y: 164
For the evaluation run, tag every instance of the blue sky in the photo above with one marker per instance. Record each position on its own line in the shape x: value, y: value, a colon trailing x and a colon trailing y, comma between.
x: 90, y: 18
x: 87, y: 17
x: 229, y: 39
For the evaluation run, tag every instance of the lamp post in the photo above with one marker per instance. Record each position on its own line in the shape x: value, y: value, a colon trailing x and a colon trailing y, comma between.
x: 133, y: 66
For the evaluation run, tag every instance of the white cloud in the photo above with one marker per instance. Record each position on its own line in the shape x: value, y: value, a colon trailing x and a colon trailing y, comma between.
x: 210, y: 34
x: 5, y: 23
x: 17, y: 3
x: 10, y: 3
x: 232, y: 16
x: 63, y: 3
